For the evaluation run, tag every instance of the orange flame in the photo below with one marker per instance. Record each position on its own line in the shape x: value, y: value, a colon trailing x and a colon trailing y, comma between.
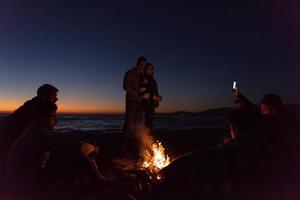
x: 156, y: 160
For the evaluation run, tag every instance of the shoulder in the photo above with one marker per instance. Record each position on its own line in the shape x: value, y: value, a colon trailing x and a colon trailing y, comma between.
x: 25, y: 107
x: 131, y: 72
x: 32, y: 102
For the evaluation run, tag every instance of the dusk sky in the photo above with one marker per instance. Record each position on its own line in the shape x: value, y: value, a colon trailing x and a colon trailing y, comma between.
x: 197, y: 48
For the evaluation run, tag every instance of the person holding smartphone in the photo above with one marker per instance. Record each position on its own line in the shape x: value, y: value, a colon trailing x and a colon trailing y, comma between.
x: 243, y: 120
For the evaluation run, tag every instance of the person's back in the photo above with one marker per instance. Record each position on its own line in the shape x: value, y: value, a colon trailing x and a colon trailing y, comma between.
x: 131, y: 84
x: 13, y: 125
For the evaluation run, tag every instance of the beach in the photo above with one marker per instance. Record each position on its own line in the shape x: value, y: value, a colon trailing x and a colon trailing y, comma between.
x: 179, y: 134
x: 129, y: 178
x: 181, y: 145
x: 176, y: 142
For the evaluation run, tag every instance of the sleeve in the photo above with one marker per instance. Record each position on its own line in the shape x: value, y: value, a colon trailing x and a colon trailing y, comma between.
x: 131, y: 86
x: 246, y: 101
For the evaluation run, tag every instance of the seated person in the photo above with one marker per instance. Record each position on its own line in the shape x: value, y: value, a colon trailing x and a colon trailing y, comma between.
x: 275, y: 133
x: 13, y: 125
x: 271, y: 115
x: 27, y: 165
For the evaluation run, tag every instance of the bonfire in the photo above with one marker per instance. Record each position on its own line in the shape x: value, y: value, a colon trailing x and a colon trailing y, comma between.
x: 155, y: 159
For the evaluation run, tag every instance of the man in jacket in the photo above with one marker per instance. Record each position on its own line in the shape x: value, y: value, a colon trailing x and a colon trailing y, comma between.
x: 133, y: 115
x: 28, y: 171
x: 13, y: 125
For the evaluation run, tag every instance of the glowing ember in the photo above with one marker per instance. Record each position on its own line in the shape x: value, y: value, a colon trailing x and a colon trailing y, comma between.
x: 156, y: 159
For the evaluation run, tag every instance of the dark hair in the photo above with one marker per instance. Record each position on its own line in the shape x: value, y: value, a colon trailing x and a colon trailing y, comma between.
x: 141, y: 59
x: 149, y: 64
x: 273, y: 101
x: 45, y: 108
x: 46, y: 89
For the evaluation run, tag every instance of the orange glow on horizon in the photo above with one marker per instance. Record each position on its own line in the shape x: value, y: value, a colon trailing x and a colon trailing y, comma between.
x: 10, y: 105
x: 66, y: 107
x: 74, y: 105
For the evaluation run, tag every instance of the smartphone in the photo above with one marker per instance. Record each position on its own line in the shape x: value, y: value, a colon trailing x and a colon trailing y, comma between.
x: 234, y: 86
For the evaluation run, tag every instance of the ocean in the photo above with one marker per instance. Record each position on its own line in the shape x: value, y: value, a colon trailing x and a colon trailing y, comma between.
x: 112, y: 123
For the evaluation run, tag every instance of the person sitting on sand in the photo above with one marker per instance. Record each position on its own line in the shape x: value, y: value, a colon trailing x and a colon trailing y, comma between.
x: 151, y: 97
x: 28, y: 171
x: 133, y: 111
x: 272, y: 114
x: 275, y: 133
x: 13, y: 125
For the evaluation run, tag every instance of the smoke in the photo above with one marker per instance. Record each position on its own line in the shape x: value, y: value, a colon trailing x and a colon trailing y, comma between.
x: 145, y: 139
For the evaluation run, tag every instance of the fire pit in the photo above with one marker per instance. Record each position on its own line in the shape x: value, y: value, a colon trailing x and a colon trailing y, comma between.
x: 140, y: 177
x: 155, y: 159
x: 148, y: 174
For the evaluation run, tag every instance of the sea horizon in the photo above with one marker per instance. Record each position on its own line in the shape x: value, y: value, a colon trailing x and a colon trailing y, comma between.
x: 108, y: 122
x: 87, y: 123
x: 123, y: 112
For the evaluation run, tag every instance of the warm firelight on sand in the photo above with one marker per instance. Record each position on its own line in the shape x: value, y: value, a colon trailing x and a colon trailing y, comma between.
x: 156, y: 159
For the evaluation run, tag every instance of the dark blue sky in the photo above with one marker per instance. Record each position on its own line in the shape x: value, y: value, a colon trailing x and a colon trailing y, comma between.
x: 197, y: 48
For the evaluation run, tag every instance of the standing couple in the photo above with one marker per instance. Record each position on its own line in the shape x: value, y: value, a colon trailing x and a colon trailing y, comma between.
x: 142, y: 97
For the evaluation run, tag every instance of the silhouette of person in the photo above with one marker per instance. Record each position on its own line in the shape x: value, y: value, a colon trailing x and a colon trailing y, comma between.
x: 28, y: 171
x: 275, y: 135
x: 133, y: 111
x: 13, y: 125
x: 272, y: 114
x: 151, y: 97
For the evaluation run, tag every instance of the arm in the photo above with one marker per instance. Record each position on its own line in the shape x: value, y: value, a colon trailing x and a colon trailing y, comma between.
x: 242, y: 98
x: 73, y: 147
x: 245, y: 100
x: 131, y: 86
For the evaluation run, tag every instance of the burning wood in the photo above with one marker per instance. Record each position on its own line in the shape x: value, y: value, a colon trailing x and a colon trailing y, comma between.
x: 155, y: 160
